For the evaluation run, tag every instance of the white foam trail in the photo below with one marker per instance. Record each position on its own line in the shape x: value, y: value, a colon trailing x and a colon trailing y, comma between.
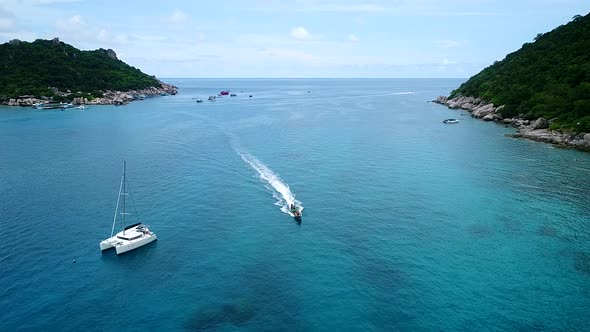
x: 279, y: 189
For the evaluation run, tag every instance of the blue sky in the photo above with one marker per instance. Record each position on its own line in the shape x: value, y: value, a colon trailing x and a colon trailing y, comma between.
x: 296, y: 38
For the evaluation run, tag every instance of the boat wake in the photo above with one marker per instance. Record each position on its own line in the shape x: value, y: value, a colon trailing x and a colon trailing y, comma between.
x: 273, y: 182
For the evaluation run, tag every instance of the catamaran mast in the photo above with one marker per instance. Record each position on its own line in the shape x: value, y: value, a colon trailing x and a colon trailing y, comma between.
x: 124, y: 191
x: 117, y: 207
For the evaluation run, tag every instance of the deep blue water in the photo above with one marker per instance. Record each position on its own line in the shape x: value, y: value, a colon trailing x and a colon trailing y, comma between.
x: 408, y: 224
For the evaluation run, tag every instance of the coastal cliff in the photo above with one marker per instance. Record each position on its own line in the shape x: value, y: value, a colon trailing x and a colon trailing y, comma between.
x: 537, y: 129
x: 543, y: 89
x: 50, y: 70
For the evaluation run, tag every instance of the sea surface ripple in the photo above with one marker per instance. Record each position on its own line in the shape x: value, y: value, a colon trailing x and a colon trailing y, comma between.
x: 409, y: 224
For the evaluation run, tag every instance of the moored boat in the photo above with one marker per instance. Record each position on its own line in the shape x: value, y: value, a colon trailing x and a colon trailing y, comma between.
x: 131, y: 236
x: 450, y: 121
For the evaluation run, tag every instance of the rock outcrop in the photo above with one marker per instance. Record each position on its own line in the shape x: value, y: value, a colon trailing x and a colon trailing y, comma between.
x: 112, y: 54
x: 540, y: 123
x: 536, y: 130
x: 579, y: 141
x: 109, y: 97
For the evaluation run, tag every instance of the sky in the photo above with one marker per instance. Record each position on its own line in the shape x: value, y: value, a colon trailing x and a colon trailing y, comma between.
x: 293, y: 38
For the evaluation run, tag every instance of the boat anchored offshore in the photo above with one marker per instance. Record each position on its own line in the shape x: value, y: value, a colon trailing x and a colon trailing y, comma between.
x: 295, y: 211
x: 451, y: 121
x: 132, y: 236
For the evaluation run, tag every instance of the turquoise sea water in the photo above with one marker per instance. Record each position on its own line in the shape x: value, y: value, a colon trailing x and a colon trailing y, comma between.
x: 408, y: 224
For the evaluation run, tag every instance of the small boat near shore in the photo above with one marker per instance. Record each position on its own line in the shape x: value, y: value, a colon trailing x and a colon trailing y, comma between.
x: 52, y: 106
x: 132, y: 236
x: 199, y: 100
x: 450, y: 121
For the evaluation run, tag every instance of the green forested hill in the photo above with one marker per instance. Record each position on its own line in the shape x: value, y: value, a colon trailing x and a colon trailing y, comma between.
x: 30, y: 68
x: 548, y: 78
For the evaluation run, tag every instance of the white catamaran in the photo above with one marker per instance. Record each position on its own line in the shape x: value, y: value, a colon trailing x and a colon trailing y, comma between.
x: 132, y: 236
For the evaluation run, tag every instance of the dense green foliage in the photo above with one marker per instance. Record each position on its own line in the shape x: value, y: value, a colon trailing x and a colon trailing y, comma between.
x: 31, y: 68
x: 548, y: 78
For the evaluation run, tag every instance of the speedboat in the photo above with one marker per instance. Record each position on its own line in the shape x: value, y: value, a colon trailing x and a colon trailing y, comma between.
x: 132, y: 236
x: 199, y: 100
x: 224, y: 93
x: 233, y: 95
x: 450, y: 121
x: 211, y: 98
x: 295, y: 211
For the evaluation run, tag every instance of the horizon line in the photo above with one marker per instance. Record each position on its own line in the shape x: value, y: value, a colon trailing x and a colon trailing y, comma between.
x: 318, y: 78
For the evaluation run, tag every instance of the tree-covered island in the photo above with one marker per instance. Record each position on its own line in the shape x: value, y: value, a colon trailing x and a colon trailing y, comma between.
x: 53, y: 70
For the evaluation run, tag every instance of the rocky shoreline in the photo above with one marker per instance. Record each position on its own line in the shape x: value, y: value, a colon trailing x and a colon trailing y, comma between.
x: 537, y: 130
x: 109, y: 97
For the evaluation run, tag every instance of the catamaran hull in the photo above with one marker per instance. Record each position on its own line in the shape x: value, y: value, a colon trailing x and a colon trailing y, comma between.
x: 104, y: 245
x: 135, y: 244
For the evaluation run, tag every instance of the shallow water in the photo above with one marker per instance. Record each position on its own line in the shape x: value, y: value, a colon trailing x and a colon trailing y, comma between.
x: 409, y: 224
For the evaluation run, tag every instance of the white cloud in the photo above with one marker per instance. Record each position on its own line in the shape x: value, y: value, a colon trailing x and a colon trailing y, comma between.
x: 448, y: 43
x: 22, y: 35
x: 106, y: 36
x: 178, y: 17
x: 50, y: 2
x: 398, y: 7
x: 448, y: 62
x: 6, y: 24
x: 288, y: 53
x: 74, y: 23
x: 76, y: 29
x: 363, y: 7
x: 353, y: 38
x: 300, y: 33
